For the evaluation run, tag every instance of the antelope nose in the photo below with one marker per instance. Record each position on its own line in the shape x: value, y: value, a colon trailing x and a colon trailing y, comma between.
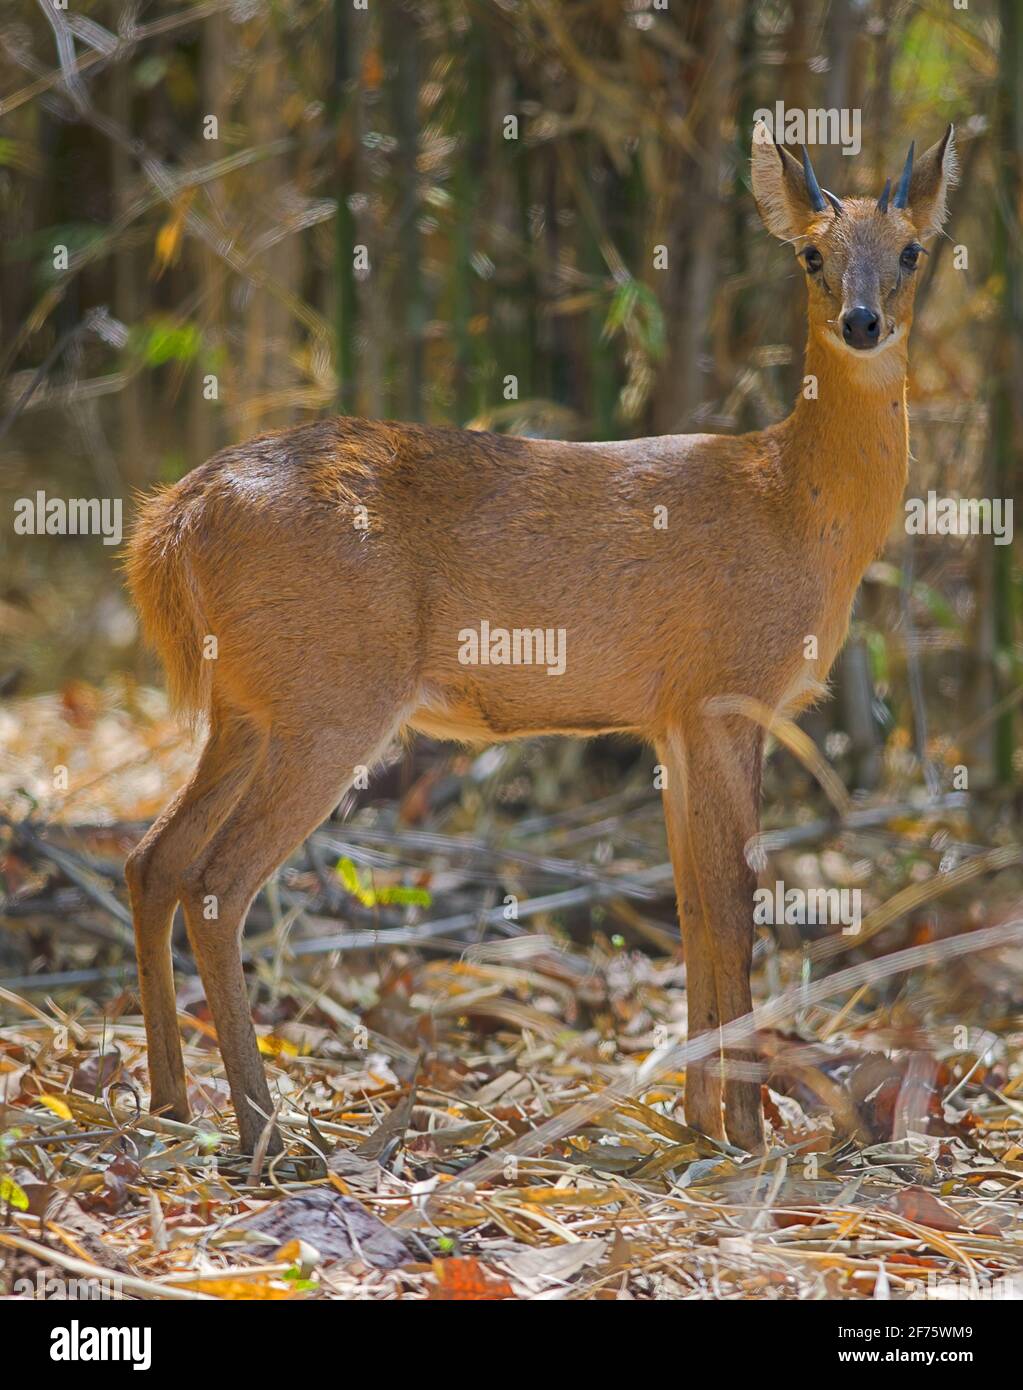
x: 861, y: 327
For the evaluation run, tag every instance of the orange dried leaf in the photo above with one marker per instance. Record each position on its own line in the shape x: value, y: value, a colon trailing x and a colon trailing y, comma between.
x: 463, y: 1278
x: 243, y: 1289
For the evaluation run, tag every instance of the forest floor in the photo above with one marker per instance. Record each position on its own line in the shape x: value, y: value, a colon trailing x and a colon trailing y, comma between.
x: 472, y: 1007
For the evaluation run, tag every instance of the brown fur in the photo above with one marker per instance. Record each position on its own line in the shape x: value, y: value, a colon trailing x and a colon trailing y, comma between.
x: 335, y: 635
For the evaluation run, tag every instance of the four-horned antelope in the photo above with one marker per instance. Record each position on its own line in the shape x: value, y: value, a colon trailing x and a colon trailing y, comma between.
x: 343, y: 567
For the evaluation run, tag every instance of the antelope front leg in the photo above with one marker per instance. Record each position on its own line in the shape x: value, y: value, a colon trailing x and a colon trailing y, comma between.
x: 722, y: 769
x: 703, y: 1077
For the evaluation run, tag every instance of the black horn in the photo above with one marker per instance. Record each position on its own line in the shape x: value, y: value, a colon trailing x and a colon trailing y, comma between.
x: 882, y: 202
x: 836, y: 203
x: 901, y: 199
x: 817, y: 200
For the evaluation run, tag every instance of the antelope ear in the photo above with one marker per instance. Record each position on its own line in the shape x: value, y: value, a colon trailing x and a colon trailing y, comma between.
x: 934, y: 173
x: 779, y: 187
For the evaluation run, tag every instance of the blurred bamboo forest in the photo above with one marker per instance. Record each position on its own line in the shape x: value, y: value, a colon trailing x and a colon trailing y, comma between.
x: 450, y: 210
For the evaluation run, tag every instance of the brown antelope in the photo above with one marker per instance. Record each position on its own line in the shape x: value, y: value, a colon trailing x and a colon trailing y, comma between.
x: 354, y: 574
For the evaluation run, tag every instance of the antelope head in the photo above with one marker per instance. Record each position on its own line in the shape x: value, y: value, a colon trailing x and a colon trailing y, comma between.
x: 860, y: 255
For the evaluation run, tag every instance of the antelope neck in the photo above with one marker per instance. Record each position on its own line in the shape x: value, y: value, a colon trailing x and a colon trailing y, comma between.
x: 846, y: 450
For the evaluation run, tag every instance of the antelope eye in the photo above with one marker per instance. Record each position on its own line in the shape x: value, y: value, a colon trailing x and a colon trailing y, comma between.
x: 813, y: 259
x: 909, y: 257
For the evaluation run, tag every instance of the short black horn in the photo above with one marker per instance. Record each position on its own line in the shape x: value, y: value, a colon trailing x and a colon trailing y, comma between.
x: 882, y: 202
x: 901, y: 199
x: 836, y: 203
x: 817, y: 200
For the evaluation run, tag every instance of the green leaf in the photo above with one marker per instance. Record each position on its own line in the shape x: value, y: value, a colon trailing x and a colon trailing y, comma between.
x: 619, y: 312
x: 404, y: 897
x: 17, y: 154
x: 168, y: 341
x: 8, y: 1141
x: 634, y: 311
x: 877, y: 650
x: 12, y: 1195
x: 373, y: 897
x: 650, y: 322
x: 349, y: 876
x: 151, y: 71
